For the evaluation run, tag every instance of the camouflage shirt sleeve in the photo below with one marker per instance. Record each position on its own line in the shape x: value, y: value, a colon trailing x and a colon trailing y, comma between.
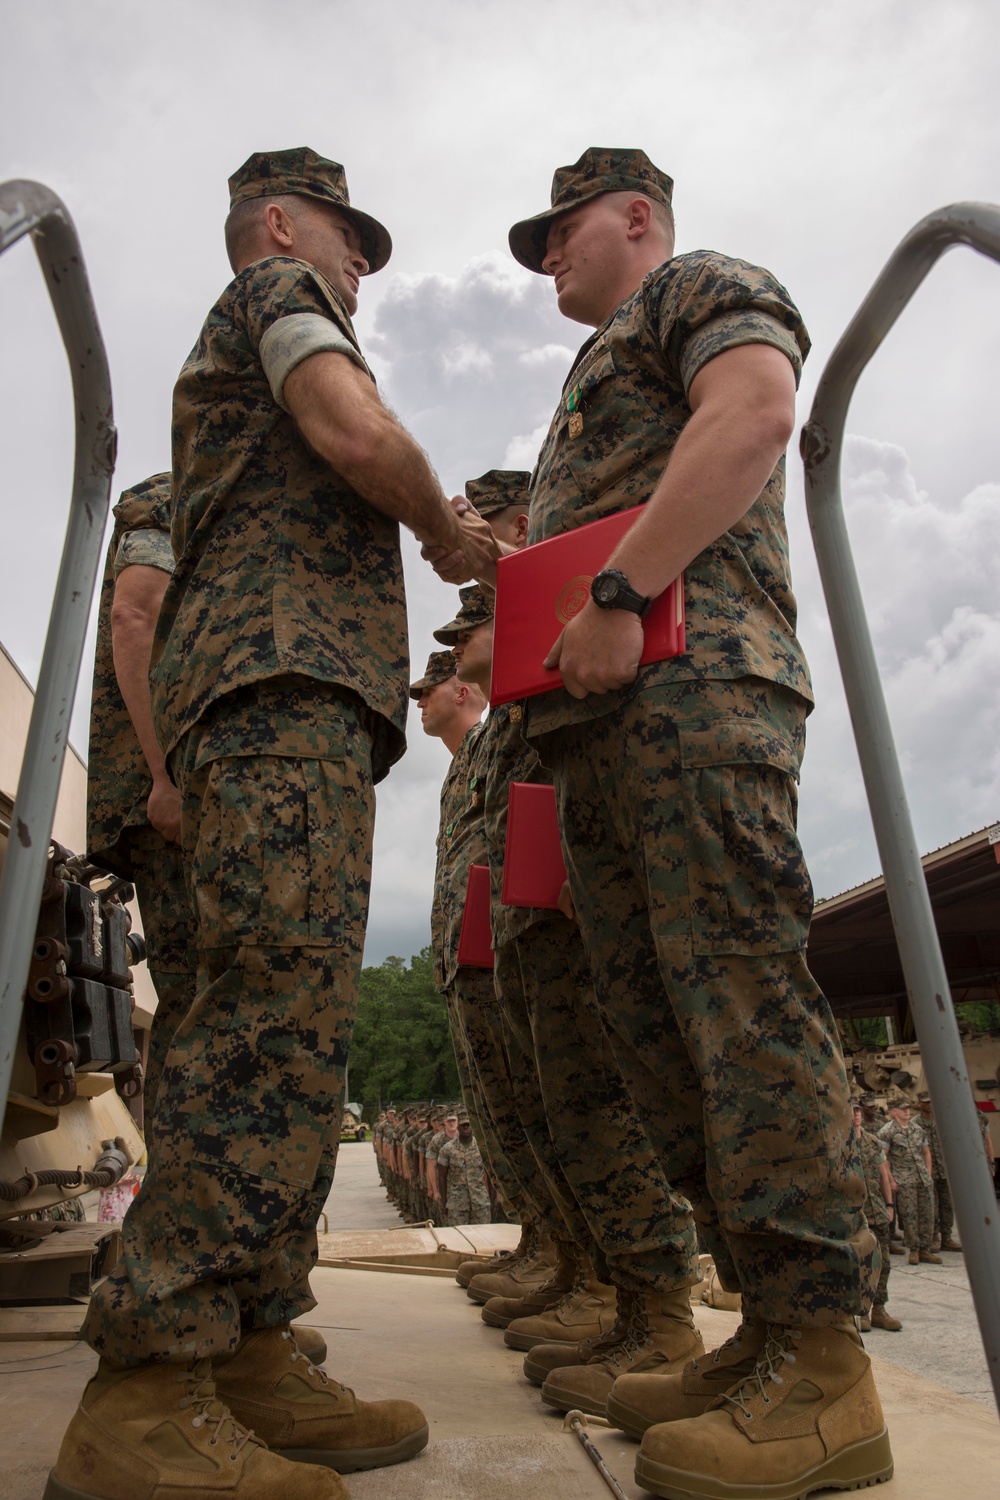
x: 146, y: 549
x: 718, y: 303
x: 294, y: 338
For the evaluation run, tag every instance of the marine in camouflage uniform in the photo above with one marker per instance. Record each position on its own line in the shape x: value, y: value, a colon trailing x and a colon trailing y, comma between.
x: 676, y: 795
x: 467, y: 1197
x: 476, y: 1024
x: 120, y: 836
x: 677, y: 801
x: 907, y: 1153
x: 877, y: 1210
x: 568, y: 1089
x: 944, y: 1212
x: 279, y: 686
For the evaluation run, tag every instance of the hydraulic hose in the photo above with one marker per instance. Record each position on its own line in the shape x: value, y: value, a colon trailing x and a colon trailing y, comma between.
x: 110, y: 1167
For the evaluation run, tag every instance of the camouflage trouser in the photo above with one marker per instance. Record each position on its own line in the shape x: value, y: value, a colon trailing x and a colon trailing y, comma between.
x: 881, y: 1232
x: 169, y: 930
x: 222, y: 1235
x: 944, y: 1213
x: 577, y: 1098
x: 915, y: 1200
x: 468, y: 1203
x: 678, y: 819
x: 468, y: 1077
x: 514, y: 1163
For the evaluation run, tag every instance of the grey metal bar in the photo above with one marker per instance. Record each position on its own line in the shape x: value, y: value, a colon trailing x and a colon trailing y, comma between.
x: 31, y: 208
x: 976, y: 225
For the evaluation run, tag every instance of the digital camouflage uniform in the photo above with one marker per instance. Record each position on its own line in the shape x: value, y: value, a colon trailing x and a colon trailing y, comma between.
x: 279, y: 689
x: 477, y: 1029
x: 944, y: 1212
x: 569, y: 1091
x: 468, y: 1199
x: 876, y: 1208
x: 914, y: 1191
x: 120, y: 836
x: 677, y: 806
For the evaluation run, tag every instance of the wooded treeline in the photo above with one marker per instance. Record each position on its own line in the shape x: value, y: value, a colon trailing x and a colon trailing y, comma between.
x: 401, y: 1049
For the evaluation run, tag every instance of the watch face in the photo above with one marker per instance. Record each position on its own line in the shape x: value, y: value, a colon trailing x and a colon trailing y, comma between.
x: 605, y: 588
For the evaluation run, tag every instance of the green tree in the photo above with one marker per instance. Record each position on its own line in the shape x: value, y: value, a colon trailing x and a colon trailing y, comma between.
x: 401, y: 1048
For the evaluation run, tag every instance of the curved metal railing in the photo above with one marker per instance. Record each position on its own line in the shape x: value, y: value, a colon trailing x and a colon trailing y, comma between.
x: 31, y: 208
x: 976, y: 225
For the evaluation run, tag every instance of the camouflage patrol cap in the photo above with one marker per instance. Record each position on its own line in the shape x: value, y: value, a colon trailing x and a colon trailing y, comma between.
x: 476, y: 608
x: 440, y: 668
x: 601, y: 169
x: 498, y: 488
x: 896, y: 1099
x: 268, y: 174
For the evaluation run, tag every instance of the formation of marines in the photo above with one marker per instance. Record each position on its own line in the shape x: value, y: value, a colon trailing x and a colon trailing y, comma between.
x: 649, y: 1070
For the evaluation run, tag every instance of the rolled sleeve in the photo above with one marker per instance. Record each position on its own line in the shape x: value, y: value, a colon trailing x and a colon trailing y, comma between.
x: 147, y: 548
x: 293, y: 338
x: 728, y: 330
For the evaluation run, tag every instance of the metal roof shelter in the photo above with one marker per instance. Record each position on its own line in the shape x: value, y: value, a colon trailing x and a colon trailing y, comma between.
x: 852, y: 946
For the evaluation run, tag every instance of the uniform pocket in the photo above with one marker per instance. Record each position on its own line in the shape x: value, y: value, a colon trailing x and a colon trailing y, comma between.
x: 748, y: 886
x: 283, y: 852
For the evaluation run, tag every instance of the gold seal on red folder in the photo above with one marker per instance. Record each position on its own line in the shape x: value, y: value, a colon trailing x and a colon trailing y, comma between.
x: 572, y: 597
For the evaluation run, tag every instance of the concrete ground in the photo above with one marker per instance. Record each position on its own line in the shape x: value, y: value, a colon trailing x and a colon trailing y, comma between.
x: 420, y: 1338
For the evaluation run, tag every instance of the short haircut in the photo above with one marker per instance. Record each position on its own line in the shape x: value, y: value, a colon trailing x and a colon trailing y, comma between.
x: 246, y: 220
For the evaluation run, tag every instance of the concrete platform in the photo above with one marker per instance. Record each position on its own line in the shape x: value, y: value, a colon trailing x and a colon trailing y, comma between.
x: 422, y: 1339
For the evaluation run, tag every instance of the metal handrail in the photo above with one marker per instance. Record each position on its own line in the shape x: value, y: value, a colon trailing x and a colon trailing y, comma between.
x: 976, y: 225
x: 31, y: 208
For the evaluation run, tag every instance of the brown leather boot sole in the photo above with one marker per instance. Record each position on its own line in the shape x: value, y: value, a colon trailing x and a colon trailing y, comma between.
x: 854, y: 1468
x: 351, y: 1460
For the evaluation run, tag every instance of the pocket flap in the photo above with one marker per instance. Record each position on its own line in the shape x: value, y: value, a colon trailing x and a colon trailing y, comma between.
x: 730, y: 742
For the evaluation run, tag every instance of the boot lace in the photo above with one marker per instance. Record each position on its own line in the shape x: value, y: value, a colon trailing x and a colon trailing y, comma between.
x: 210, y: 1412
x: 295, y: 1353
x: 732, y: 1342
x: 634, y: 1326
x: 777, y: 1351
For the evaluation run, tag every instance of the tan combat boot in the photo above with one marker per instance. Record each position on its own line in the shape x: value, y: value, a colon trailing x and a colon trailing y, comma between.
x: 544, y: 1358
x: 516, y: 1280
x: 638, y: 1402
x: 302, y: 1414
x: 503, y: 1259
x: 310, y: 1341
x: 159, y: 1430
x: 660, y: 1336
x: 882, y: 1319
x: 586, y: 1311
x: 808, y: 1418
x: 563, y: 1273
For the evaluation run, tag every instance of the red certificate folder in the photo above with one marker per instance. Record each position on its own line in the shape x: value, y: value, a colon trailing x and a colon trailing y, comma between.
x: 475, y: 941
x: 533, y: 868
x: 541, y: 588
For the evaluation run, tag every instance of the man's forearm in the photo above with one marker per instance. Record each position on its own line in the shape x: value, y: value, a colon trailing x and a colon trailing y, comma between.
x: 722, y: 460
x: 138, y: 595
x: 339, y: 413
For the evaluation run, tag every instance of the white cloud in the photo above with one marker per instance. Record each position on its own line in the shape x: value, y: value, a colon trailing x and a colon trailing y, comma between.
x: 926, y: 566
x: 522, y: 451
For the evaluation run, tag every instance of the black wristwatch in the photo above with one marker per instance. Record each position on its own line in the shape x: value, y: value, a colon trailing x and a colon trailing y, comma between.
x: 612, y: 590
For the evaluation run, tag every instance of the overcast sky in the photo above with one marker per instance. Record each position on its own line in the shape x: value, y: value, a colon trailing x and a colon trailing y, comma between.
x: 807, y: 139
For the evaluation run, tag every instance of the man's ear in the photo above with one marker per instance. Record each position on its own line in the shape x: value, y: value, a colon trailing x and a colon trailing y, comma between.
x: 461, y: 694
x: 640, y: 216
x: 520, y: 530
x: 279, y: 226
